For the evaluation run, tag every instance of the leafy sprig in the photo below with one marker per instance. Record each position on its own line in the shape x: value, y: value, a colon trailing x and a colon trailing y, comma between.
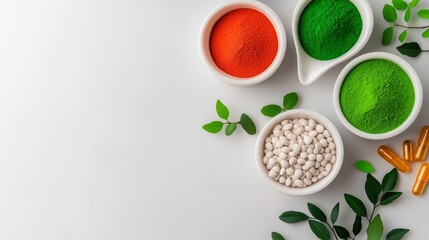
x: 223, y: 112
x: 411, y: 49
x: 378, y: 194
x: 289, y: 102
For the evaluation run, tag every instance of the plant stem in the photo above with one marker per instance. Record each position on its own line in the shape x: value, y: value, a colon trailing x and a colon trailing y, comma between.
x: 333, y: 231
x: 373, y: 211
x: 410, y: 27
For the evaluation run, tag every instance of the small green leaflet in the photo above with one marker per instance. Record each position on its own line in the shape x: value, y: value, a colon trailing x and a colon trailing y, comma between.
x: 407, y: 15
x: 222, y: 110
x: 375, y: 229
x: 271, y: 110
x: 356, y: 205
x: 342, y: 232
x: 319, y: 229
x: 414, y: 3
x: 411, y: 49
x: 277, y: 236
x: 290, y: 100
x: 424, y: 13
x: 230, y: 129
x: 389, y: 197
x: 397, y: 234
x: 400, y: 4
x: 364, y: 166
x: 247, y: 124
x: 357, y: 225
x: 293, y: 217
x: 372, y: 188
x: 316, y: 212
x: 389, y: 13
x: 403, y: 36
x: 335, y: 212
x: 387, y: 36
x: 213, y: 127
x: 425, y: 34
x: 390, y: 180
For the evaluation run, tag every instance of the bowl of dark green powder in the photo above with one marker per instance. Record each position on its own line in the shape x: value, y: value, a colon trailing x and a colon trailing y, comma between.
x: 328, y: 32
x: 378, y: 95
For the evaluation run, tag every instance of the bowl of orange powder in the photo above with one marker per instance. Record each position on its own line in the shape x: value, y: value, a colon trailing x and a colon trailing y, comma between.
x: 243, y: 42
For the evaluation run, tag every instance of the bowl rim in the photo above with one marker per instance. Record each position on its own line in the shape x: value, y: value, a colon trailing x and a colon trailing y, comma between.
x: 298, y: 113
x: 418, y: 93
x: 221, y: 10
x: 320, y: 67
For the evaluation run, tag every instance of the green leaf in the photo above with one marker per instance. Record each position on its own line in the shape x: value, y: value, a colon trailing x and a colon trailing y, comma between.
x: 424, y: 13
x: 364, y: 166
x: 316, y: 212
x: 277, y: 236
x: 372, y: 188
x: 271, y: 110
x: 425, y: 34
x: 357, y: 225
x: 386, y: 39
x: 230, y: 129
x: 335, y: 212
x: 290, y: 100
x: 389, y: 197
x: 213, y: 127
x: 319, y: 229
x: 342, y: 232
x: 411, y: 49
x: 400, y: 4
x: 403, y: 36
x: 390, y: 180
x: 407, y: 15
x: 389, y: 13
x: 356, y: 205
x: 248, y: 124
x: 414, y: 3
x: 222, y: 110
x: 293, y: 217
x: 397, y: 234
x: 375, y: 228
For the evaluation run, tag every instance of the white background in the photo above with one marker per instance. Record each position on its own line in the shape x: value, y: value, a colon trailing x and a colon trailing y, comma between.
x: 101, y: 108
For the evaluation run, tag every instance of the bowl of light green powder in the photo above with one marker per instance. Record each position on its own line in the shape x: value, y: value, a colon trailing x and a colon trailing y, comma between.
x: 328, y: 32
x: 378, y: 95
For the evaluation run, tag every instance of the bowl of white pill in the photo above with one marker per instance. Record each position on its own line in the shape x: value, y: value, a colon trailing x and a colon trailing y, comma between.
x: 299, y: 152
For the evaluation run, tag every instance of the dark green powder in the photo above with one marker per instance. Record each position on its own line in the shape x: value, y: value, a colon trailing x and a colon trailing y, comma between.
x: 329, y: 28
x: 377, y: 96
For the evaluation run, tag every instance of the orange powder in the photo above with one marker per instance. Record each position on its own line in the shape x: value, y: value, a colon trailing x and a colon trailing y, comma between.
x: 243, y: 43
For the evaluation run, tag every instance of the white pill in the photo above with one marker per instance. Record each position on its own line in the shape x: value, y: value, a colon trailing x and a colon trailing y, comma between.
x: 312, y: 123
x: 331, y: 146
x: 283, y: 155
x: 308, y: 175
x: 277, y: 151
x: 304, y: 148
x: 278, y: 133
x: 301, y: 161
x: 317, y: 165
x: 318, y: 146
x: 285, y: 149
x: 284, y: 122
x: 320, y: 128
x: 289, y: 171
x: 267, y: 139
x: 308, y: 140
x: 277, y: 177
x: 328, y: 156
x: 274, y: 140
x: 299, y: 131
x: 314, y: 179
x: 325, y: 173
x: 269, y: 146
x: 295, y: 121
x: 288, y: 182
x: 333, y: 160
x: 323, y: 163
x: 304, y: 155
x: 328, y: 167
x: 303, y: 122
x: 319, y: 157
x: 288, y: 126
x: 284, y: 163
x: 307, y: 181
x: 309, y: 150
x: 312, y: 134
x: 321, y: 169
x: 272, y: 173
x: 291, y: 136
x: 296, y: 148
x: 298, y: 183
x: 326, y: 133
x: 282, y: 179
x: 327, y: 150
x: 265, y: 160
x: 298, y: 173
x: 279, y: 144
x: 329, y: 139
x: 312, y: 170
x: 282, y: 171
x: 269, y: 154
x: 292, y: 154
x: 305, y: 167
x: 308, y: 128
x: 276, y: 168
x: 277, y: 127
x: 324, y: 142
x: 310, y: 163
x: 333, y: 152
x: 320, y: 176
x: 320, y: 137
x: 312, y: 157
x: 300, y: 141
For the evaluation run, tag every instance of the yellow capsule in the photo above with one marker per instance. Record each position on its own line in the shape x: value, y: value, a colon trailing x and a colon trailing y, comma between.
x: 422, y: 145
x: 408, y: 152
x: 387, y: 154
x: 421, y: 180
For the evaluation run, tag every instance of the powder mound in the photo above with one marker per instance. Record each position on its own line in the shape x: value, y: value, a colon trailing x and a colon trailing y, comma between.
x: 329, y: 28
x: 377, y: 96
x: 243, y: 43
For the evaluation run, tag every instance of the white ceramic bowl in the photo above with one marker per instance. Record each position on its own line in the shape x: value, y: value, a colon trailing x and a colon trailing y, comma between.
x: 216, y: 15
x: 292, y: 114
x: 414, y: 79
x: 310, y: 69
